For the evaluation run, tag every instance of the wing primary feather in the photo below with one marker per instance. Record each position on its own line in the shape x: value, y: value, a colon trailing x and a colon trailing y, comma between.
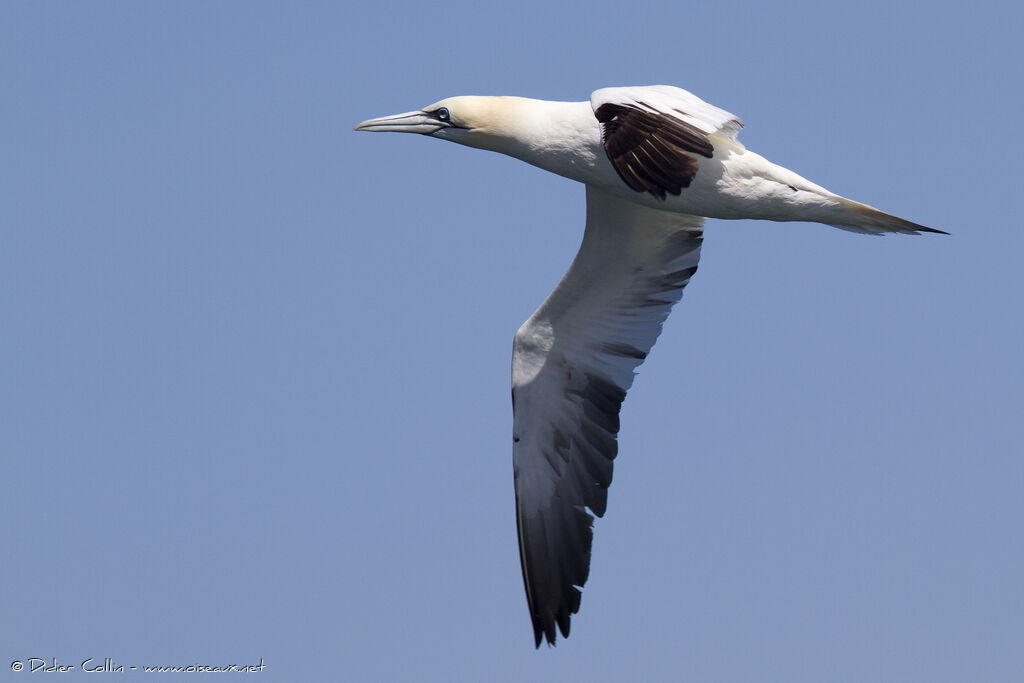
x: 652, y: 150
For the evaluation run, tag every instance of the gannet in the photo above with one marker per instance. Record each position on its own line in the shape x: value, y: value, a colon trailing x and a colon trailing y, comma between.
x: 655, y: 161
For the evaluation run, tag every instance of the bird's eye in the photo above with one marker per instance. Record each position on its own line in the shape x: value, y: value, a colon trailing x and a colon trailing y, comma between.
x: 443, y: 114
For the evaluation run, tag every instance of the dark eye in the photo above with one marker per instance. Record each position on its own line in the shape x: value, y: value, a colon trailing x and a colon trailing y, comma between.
x: 443, y: 114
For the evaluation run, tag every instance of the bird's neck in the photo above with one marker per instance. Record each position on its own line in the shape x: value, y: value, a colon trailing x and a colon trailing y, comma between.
x: 560, y: 137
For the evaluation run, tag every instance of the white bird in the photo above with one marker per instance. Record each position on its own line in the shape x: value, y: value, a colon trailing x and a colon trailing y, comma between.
x: 655, y: 161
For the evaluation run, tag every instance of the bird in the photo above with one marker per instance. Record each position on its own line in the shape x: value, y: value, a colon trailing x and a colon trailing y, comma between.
x: 656, y: 161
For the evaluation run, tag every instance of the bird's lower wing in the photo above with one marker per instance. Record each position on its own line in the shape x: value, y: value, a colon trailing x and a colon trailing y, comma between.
x: 572, y: 363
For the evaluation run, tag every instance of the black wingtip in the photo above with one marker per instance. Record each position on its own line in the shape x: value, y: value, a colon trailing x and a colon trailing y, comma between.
x: 545, y: 630
x: 547, y: 626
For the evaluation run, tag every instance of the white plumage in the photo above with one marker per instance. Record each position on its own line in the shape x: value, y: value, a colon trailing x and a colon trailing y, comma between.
x: 656, y: 160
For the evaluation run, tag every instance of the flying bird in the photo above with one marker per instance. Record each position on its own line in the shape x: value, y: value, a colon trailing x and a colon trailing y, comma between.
x: 656, y: 161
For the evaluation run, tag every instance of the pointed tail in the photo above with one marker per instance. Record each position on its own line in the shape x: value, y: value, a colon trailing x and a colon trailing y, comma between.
x: 863, y: 218
x: 803, y: 200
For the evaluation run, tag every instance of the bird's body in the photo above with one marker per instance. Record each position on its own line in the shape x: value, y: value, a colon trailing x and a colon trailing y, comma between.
x: 655, y: 160
x: 565, y: 138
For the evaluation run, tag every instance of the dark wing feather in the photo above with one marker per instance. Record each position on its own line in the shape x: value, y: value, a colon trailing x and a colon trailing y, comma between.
x: 651, y: 151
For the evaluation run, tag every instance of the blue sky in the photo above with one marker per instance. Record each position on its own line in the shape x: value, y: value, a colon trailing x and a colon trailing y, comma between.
x: 254, y: 367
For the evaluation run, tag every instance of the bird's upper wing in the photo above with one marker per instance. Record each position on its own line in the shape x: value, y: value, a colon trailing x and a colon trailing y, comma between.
x: 655, y: 135
x: 673, y: 102
x: 572, y: 363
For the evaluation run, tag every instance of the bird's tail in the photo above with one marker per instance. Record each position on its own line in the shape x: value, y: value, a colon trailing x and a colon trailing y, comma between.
x: 783, y: 195
x: 851, y: 215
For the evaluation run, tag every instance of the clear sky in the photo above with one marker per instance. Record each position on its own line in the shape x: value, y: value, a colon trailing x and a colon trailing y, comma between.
x: 254, y: 367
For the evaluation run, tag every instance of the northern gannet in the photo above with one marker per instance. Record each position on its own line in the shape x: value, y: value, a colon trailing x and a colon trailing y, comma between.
x: 656, y: 161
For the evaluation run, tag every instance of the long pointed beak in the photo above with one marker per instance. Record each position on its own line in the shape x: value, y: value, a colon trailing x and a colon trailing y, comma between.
x: 410, y: 122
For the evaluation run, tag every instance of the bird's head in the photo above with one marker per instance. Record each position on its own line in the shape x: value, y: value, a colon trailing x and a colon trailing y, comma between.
x: 493, y: 123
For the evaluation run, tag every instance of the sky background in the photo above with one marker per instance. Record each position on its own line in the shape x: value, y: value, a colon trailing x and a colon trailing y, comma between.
x: 254, y: 367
